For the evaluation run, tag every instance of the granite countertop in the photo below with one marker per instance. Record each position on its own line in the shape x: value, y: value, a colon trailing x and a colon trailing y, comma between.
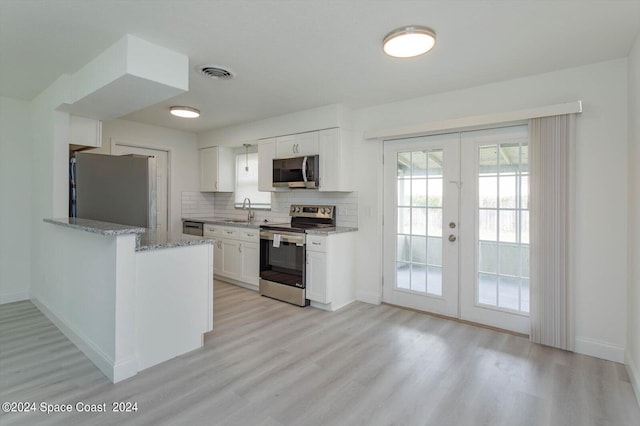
x: 225, y: 222
x: 153, y: 239
x: 95, y: 226
x: 329, y: 231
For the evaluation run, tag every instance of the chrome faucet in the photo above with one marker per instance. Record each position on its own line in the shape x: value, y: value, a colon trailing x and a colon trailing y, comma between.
x: 250, y: 214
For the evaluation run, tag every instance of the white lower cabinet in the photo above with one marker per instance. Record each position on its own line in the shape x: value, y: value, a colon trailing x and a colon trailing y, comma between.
x: 236, y: 254
x: 317, y: 288
x: 231, y: 259
x: 330, y: 273
x: 249, y: 262
x: 217, y: 257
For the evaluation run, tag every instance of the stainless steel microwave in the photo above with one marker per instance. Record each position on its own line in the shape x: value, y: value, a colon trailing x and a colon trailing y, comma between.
x: 297, y: 172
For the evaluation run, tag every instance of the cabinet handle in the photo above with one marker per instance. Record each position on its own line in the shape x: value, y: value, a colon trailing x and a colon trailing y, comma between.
x: 240, y: 248
x: 315, y: 243
x: 307, y: 258
x: 215, y: 185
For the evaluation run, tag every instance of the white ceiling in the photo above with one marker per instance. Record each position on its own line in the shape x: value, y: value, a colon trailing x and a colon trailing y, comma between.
x: 293, y: 55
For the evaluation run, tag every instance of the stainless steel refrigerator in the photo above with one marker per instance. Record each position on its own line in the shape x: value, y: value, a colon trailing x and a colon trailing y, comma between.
x: 116, y: 189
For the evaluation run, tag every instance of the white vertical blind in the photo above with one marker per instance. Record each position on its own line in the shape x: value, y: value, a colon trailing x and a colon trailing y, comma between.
x: 551, y: 141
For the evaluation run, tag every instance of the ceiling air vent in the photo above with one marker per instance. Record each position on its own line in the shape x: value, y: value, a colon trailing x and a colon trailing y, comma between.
x: 215, y: 72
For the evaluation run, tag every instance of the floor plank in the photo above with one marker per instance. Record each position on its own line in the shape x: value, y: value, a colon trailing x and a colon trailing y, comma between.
x: 273, y: 364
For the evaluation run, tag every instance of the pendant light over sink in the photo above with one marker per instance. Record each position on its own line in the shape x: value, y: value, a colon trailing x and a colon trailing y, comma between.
x: 184, y: 112
x: 408, y: 42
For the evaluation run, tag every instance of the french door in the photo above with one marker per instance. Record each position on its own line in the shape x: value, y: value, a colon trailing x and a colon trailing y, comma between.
x: 456, y: 228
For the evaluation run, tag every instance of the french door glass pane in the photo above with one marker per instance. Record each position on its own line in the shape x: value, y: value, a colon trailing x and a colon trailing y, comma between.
x: 419, y: 209
x: 403, y: 248
x: 403, y: 275
x: 419, y: 221
x: 503, y: 226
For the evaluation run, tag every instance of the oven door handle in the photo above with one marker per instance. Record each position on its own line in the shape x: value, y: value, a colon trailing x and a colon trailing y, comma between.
x: 296, y: 239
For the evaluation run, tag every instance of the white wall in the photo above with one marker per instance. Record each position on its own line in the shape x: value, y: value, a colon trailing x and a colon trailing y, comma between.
x: 632, y: 358
x: 601, y: 193
x: 15, y: 200
x: 183, y: 156
x: 324, y: 117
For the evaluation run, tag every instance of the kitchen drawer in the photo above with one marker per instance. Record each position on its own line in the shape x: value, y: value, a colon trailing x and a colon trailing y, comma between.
x: 232, y: 233
x: 212, y: 230
x: 248, y: 235
x: 317, y: 243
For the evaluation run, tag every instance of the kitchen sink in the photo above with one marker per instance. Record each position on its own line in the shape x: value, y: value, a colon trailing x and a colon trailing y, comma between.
x: 233, y: 220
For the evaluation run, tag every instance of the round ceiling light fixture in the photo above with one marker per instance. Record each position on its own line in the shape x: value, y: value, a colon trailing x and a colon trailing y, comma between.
x: 407, y: 42
x: 184, y: 112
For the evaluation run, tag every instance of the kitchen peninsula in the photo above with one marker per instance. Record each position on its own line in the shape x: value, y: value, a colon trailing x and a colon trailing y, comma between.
x: 128, y: 297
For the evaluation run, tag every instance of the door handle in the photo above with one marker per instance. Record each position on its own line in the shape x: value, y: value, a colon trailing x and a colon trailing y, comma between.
x: 304, y: 169
x: 452, y: 238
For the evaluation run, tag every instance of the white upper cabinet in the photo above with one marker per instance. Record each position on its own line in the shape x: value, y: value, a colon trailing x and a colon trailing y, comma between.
x: 217, y: 169
x: 297, y: 145
x: 266, y: 154
x: 85, y: 131
x: 336, y: 166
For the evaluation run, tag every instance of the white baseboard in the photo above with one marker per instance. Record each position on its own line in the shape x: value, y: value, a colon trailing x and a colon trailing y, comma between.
x: 236, y: 282
x: 368, y: 297
x: 634, y: 374
x: 598, y: 349
x: 14, y: 297
x: 115, y: 372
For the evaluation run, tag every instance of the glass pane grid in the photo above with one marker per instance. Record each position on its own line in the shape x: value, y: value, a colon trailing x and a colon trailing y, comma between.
x: 419, y: 220
x: 503, y: 227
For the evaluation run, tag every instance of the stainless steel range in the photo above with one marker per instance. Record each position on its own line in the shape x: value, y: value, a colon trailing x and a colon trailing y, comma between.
x: 283, y: 252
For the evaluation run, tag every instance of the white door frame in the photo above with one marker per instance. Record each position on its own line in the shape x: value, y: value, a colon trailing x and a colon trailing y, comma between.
x: 119, y: 142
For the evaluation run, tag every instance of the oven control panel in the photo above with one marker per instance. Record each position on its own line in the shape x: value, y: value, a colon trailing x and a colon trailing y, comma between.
x: 322, y: 212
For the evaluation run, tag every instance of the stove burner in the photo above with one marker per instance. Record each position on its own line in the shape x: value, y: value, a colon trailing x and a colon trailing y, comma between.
x: 306, y: 217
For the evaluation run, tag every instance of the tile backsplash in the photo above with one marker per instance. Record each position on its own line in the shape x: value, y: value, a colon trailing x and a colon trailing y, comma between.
x: 219, y: 204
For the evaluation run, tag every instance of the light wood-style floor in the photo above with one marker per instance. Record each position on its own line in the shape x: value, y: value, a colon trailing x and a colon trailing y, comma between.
x: 269, y: 363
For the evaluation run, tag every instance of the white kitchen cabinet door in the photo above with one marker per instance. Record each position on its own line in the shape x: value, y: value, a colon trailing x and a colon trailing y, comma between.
x: 250, y: 262
x: 85, y: 131
x: 286, y: 146
x: 217, y: 169
x: 231, y: 261
x: 297, y: 145
x: 336, y: 167
x: 317, y: 288
x: 266, y: 154
x: 218, y: 257
x: 306, y: 143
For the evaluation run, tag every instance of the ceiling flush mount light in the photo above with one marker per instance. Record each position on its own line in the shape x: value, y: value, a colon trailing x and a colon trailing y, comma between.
x: 184, y: 112
x: 407, y: 42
